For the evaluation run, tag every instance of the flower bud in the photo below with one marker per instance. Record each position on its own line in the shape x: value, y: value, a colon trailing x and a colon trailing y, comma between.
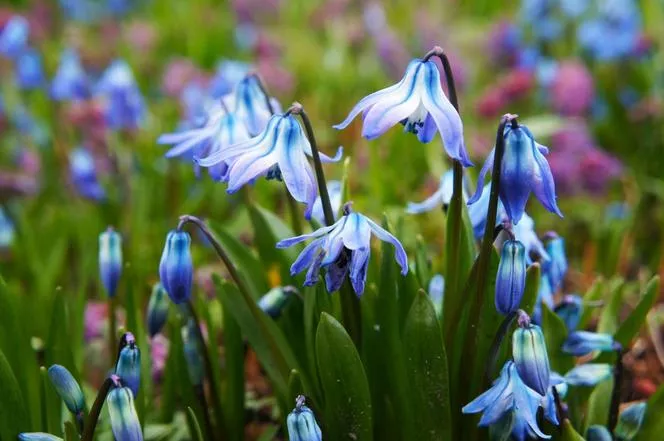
x: 302, y: 425
x: 157, y: 309
x: 110, y: 260
x: 192, y: 354
x: 276, y: 300
x: 580, y: 343
x: 128, y: 366
x: 530, y: 357
x: 630, y: 421
x: 124, y: 420
x: 67, y: 388
x: 598, y: 433
x: 176, y: 268
x: 570, y: 310
x: 511, y: 278
x: 38, y: 436
x: 589, y: 374
x: 556, y: 267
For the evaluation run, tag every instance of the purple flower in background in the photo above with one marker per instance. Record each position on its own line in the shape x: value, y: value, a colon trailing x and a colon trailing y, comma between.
x: 14, y: 37
x: 159, y: 346
x: 599, y: 170
x: 572, y: 90
x: 29, y: 70
x: 95, y: 319
x: 84, y: 174
x: 70, y: 81
x: 503, y: 43
x: 178, y: 74
x: 125, y: 107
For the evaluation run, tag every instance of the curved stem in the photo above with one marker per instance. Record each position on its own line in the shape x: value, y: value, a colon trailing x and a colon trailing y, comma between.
x: 615, y: 395
x: 93, y: 416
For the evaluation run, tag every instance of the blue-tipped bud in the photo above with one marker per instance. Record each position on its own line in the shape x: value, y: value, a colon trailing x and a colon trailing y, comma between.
x: 530, y: 356
x: 581, y: 343
x: 302, y: 425
x: 176, y: 269
x: 192, y: 353
x: 110, y: 260
x: 630, y: 421
x: 128, y: 366
x: 570, y: 310
x: 275, y: 300
x: 157, y: 309
x: 589, y: 374
x: 67, y: 388
x: 598, y: 433
x: 556, y: 267
x: 124, y: 420
x: 38, y: 436
x: 437, y: 292
x: 511, y: 278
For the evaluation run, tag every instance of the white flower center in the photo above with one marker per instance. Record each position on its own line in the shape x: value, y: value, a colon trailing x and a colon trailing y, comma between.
x: 415, y: 121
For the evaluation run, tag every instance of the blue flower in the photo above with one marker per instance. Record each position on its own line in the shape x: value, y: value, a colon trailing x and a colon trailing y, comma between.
x: 437, y: 292
x: 124, y: 419
x: 334, y: 191
x: 70, y: 81
x: 581, y: 343
x: 530, y: 357
x: 539, y: 15
x: 110, y: 260
x: 229, y: 73
x: 549, y: 401
x: 125, y: 107
x: 176, y: 268
x: 598, y: 433
x: 84, y: 175
x: 37, y: 436
x: 555, y: 266
x: 251, y: 106
x: 441, y: 197
x: 343, y: 249
x: 570, y: 310
x: 589, y: 374
x: 478, y: 210
x: 157, y: 309
x: 301, y: 422
x: 613, y: 32
x: 574, y: 8
x: 7, y: 230
x: 511, y: 277
x: 630, y: 421
x: 523, y: 169
x: 507, y: 394
x: 128, y: 366
x: 67, y: 388
x: 279, y: 152
x: 29, y: 70
x: 14, y: 37
x: 275, y: 300
x: 417, y: 101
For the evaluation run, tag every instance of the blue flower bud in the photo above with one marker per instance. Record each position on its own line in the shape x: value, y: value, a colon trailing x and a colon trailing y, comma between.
x: 128, y: 366
x: 124, y: 420
x: 511, y: 278
x: 437, y: 292
x: 302, y: 425
x: 67, y: 388
x: 580, y: 343
x: 176, y: 268
x: 38, y: 436
x: 598, y: 433
x: 556, y: 267
x: 14, y: 37
x: 157, y: 309
x: 570, y: 310
x: 630, y: 421
x: 589, y: 374
x: 276, y: 300
x: 7, y: 230
x: 192, y: 353
x: 530, y: 357
x: 110, y: 260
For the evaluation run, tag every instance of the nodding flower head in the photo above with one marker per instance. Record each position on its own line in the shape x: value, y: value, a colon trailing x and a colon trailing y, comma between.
x: 176, y: 267
x: 251, y: 104
x: 83, y: 173
x: 570, y: 310
x: 14, y: 37
x: 511, y: 278
x: 301, y: 422
x: 581, y: 343
x: 125, y: 107
x: 589, y: 374
x: 342, y: 249
x: 67, y: 388
x: 157, y: 309
x: 128, y: 366
x: 524, y: 169
x: 70, y: 81
x: 419, y: 103
x: 110, y: 260
x: 530, y: 357
x: 124, y: 419
x: 279, y: 152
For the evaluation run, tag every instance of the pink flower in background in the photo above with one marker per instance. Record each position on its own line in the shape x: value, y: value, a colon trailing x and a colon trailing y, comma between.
x: 572, y: 90
x: 278, y: 79
x: 177, y: 74
x: 599, y: 170
x: 96, y: 315
x: 159, y: 346
x: 142, y: 36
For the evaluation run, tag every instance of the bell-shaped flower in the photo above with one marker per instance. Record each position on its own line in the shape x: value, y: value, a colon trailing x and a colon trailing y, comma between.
x: 70, y: 81
x: 418, y: 102
x: 530, y: 357
x: 598, y: 433
x: 125, y: 107
x: 523, y: 170
x: 477, y: 212
x: 37, y: 436
x: 124, y: 419
x: 83, y: 173
x: 67, y: 388
x: 556, y: 266
x: 176, y: 267
x: 110, y: 260
x: 549, y: 400
x: 192, y: 354
x: 157, y: 309
x: 276, y: 299
x: 441, y: 197
x: 342, y: 249
x: 569, y: 310
x: 581, y: 343
x: 29, y: 70
x: 301, y: 422
x: 507, y: 394
x: 511, y: 277
x: 630, y: 421
x: 589, y: 374
x: 436, y: 291
x: 128, y: 366
x: 279, y: 152
x: 251, y: 105
x: 334, y: 191
x: 14, y: 37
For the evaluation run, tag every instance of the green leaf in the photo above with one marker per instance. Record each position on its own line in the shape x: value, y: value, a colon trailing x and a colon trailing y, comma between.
x: 13, y: 414
x: 426, y: 365
x: 653, y: 423
x: 70, y: 432
x: 599, y: 404
x: 533, y: 274
x: 194, y: 427
x: 316, y: 301
x: 348, y: 413
x: 234, y: 391
x: 629, y: 328
x: 592, y: 296
x: 555, y: 334
x: 608, y: 320
x: 422, y: 265
x: 568, y: 433
x: 269, y: 434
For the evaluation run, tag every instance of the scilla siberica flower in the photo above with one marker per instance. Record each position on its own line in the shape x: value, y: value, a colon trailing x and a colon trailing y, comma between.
x: 128, y: 366
x: 598, y: 433
x: 251, y: 106
x: 417, y: 101
x: 511, y: 278
x: 84, y: 174
x: 38, y: 436
x: 342, y: 248
x: 29, y: 70
x: 279, y: 152
x: 441, y: 197
x: 67, y: 388
x: 630, y: 421
x: 229, y: 73
x: 157, y: 309
x: 589, y: 374
x: 275, y: 300
x: 477, y: 212
x: 125, y: 107
x: 110, y: 260
x: 580, y: 343
x: 334, y: 191
x: 556, y: 266
x: 176, y: 268
x: 509, y: 394
x: 570, y: 310
x: 530, y: 356
x: 124, y: 419
x: 301, y: 422
x: 14, y: 37
x: 524, y: 169
x: 70, y: 81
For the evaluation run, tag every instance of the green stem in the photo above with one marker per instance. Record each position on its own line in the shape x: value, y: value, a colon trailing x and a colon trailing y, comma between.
x: 615, y: 395
x: 495, y: 346
x: 200, y: 394
x: 93, y: 416
x: 112, y: 326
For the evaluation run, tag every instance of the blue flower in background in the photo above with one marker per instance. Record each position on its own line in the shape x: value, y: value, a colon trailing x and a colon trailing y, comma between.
x: 441, y: 197
x: 589, y: 374
x: 478, y: 210
x: 192, y: 353
x: 275, y: 300
x: 110, y: 260
x: 125, y: 107
x: 279, y: 152
x: 88, y: 11
x: 555, y: 266
x: 334, y: 191
x: 436, y: 291
x: 343, y: 249
x: 7, y: 231
x: 251, y: 106
x: 84, y: 174
x: 630, y: 421
x: 67, y: 388
x: 613, y: 32
x: 508, y: 394
x: 574, y: 8
x: 525, y: 233
x: 581, y: 343
x: 157, y: 313
x: 570, y: 310
x: 14, y: 37
x: 70, y: 81
x: 540, y: 17
x: 598, y: 433
x: 229, y: 73
x: 417, y: 101
x: 524, y: 169
x: 29, y: 70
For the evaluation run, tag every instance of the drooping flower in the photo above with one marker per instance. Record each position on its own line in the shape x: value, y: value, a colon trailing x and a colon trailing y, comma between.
x: 157, y: 309
x: 275, y: 300
x: 279, y: 152
x: 581, y: 343
x: 524, y: 169
x: 511, y: 278
x: 250, y: 105
x: 436, y: 291
x: 128, y: 366
x: 507, y: 394
x: 419, y: 102
x: 67, y: 388
x: 555, y: 266
x: 530, y: 356
x: 110, y: 260
x: 70, y: 81
x: 630, y: 421
x: 124, y: 419
x: 598, y: 433
x: 570, y: 310
x: 441, y: 197
x: 38, y: 436
x: 301, y: 422
x: 29, y: 70
x: 478, y: 210
x: 176, y: 267
x: 14, y: 37
x: 83, y: 174
x: 342, y: 249
x: 334, y: 191
x: 125, y: 107
x: 589, y: 374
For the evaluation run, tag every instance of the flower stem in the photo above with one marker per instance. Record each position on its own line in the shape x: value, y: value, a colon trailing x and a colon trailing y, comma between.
x: 93, y: 416
x: 200, y: 395
x: 112, y: 327
x: 615, y: 395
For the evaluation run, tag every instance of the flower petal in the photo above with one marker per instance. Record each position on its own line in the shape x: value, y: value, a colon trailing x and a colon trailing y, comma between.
x: 399, y: 252
x: 386, y: 114
x: 285, y: 243
x: 543, y: 185
x: 433, y: 201
x: 488, y: 165
x: 306, y: 257
x: 358, y: 269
